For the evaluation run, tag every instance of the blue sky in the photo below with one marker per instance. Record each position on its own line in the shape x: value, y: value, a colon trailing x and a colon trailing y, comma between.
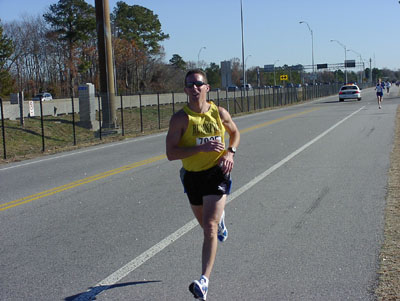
x: 271, y: 29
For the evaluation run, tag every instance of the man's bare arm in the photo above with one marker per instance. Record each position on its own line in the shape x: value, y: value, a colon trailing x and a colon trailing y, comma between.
x: 226, y: 162
x: 231, y: 128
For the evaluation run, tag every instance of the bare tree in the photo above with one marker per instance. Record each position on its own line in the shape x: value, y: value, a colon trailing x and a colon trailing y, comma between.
x: 31, y: 54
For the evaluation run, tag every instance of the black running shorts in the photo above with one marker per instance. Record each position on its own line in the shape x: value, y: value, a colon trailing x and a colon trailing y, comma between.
x: 198, y: 184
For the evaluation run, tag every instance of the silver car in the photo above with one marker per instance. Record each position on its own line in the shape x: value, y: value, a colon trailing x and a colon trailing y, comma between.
x: 43, y: 96
x: 350, y: 91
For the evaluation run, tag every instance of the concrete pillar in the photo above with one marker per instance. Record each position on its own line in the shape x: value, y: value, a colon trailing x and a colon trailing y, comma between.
x: 87, y: 107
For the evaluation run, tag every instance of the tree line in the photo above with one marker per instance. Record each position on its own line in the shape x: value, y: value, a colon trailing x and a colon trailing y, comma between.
x: 57, y: 51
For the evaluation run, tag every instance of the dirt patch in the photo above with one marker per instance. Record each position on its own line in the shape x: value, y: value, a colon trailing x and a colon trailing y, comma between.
x: 389, y: 272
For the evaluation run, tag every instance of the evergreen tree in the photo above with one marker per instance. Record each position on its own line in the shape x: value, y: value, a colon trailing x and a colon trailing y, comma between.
x: 178, y: 62
x: 139, y: 24
x: 214, y: 75
x: 73, y: 22
x: 6, y: 50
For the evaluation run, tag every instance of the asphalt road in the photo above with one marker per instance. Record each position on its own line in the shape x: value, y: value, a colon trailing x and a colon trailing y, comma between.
x: 111, y: 222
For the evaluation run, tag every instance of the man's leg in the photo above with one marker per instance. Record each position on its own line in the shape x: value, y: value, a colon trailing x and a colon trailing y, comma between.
x: 198, y: 213
x: 213, y: 206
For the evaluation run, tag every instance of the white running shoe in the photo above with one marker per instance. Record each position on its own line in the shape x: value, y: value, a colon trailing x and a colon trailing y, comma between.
x: 222, y: 231
x: 199, y: 288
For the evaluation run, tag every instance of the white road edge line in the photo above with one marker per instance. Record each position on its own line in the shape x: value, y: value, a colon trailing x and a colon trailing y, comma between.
x: 90, y: 149
x: 141, y: 259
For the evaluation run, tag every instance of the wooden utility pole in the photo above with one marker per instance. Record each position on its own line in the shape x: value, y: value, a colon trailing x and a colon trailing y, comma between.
x: 107, y: 88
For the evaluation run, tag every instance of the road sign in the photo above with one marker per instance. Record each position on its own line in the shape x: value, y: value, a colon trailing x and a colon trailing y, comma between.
x: 31, y: 108
x: 269, y: 68
x: 350, y: 63
x: 284, y: 77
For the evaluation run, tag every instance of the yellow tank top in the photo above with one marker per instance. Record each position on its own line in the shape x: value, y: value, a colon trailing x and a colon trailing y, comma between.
x: 202, y: 127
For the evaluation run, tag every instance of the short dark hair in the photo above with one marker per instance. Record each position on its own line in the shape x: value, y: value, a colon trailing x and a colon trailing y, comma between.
x: 196, y: 71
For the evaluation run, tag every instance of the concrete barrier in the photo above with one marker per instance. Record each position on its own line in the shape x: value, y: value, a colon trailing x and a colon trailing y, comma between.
x: 64, y: 106
x: 50, y: 108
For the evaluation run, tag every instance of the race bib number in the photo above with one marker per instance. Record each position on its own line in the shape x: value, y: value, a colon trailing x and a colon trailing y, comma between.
x: 203, y: 140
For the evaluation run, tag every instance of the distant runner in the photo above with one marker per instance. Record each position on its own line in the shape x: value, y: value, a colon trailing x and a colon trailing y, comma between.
x: 379, y: 92
x: 388, y: 85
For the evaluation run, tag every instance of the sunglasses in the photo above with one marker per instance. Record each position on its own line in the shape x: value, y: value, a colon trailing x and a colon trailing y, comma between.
x: 197, y: 83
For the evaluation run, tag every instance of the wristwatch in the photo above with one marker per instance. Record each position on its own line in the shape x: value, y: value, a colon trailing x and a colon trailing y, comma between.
x: 232, y: 149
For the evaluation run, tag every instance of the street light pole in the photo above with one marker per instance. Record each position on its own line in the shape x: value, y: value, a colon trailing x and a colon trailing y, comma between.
x: 312, y: 48
x: 243, y: 62
x: 345, y: 56
x: 275, y: 73
x: 361, y: 61
x: 198, y: 56
x: 245, y: 66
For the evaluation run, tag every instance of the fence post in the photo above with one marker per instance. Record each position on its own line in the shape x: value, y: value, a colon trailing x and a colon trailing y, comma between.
x: 286, y: 101
x: 3, y: 130
x: 122, y: 116
x: 227, y: 99
x: 73, y: 119
x: 269, y: 97
x: 292, y: 95
x: 246, y: 93
x: 21, y: 107
x: 41, y: 122
x: 141, y: 114
x: 173, y: 102
x: 283, y: 96
x: 273, y: 96
x: 263, y: 99
x: 158, y: 110
x: 254, y: 99
x: 241, y: 100
x: 285, y: 91
x: 98, y: 98
x: 305, y: 94
x: 234, y: 101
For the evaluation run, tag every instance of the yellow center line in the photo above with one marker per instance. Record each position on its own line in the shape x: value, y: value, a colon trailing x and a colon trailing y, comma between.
x: 112, y: 172
x: 78, y: 183
x: 277, y: 120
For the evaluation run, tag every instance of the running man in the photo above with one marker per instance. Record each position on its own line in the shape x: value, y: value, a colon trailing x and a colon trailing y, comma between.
x: 388, y: 84
x: 379, y: 92
x: 196, y: 136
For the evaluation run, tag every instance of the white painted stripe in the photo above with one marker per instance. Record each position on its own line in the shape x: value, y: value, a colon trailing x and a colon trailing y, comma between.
x: 141, y: 259
x: 285, y: 160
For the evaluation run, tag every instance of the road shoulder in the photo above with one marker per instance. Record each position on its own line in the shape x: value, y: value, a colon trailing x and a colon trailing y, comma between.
x: 389, y: 271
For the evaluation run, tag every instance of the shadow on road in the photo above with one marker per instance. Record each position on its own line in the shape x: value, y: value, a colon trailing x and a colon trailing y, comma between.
x: 94, y: 291
x: 337, y: 101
